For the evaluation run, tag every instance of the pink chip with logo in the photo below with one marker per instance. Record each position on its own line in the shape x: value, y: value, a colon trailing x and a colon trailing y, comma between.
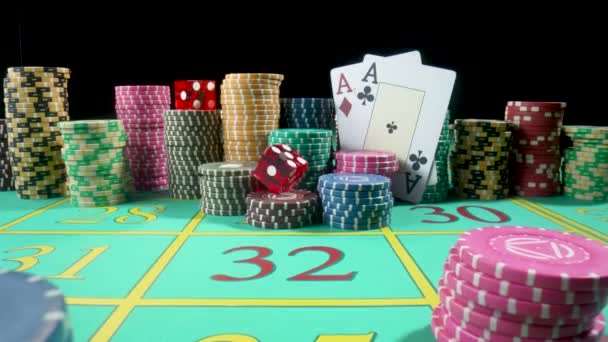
x: 536, y: 257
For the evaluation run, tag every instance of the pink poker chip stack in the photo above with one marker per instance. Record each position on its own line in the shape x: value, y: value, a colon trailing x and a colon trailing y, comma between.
x: 536, y: 146
x: 522, y: 284
x: 368, y: 162
x: 141, y: 109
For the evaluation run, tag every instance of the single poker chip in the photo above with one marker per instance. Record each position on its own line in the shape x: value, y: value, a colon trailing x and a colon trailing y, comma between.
x: 227, y: 169
x: 358, y: 207
x: 254, y: 76
x: 220, y: 212
x: 304, y: 219
x: 329, y: 218
x: 356, y: 226
x: 365, y: 156
x: 241, y: 207
x: 301, y: 133
x: 354, y: 182
x: 276, y: 225
x: 33, y: 309
x: 283, y: 212
x: 532, y: 106
x: 489, y: 250
x: 294, y: 199
x: 353, y: 193
x: 357, y: 201
x: 357, y: 214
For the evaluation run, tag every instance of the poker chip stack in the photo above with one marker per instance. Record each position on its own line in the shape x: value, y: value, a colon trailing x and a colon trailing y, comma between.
x: 585, y: 168
x: 369, y: 162
x: 310, y: 112
x: 290, y: 209
x: 95, y: 159
x: 36, y: 99
x: 141, y: 109
x: 536, y: 146
x: 438, y: 188
x: 517, y: 284
x: 192, y: 138
x: 250, y: 110
x: 356, y: 201
x: 37, y: 309
x: 224, y: 187
x: 480, y: 159
x: 6, y: 172
x: 314, y: 145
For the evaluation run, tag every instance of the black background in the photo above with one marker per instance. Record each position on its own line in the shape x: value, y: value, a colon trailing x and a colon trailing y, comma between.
x: 540, y: 63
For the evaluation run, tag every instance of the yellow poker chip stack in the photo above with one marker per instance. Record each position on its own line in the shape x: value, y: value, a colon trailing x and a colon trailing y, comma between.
x: 36, y: 100
x: 250, y: 111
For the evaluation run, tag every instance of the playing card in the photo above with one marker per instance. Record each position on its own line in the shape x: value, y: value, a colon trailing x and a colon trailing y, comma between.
x: 409, y: 104
x: 352, y: 104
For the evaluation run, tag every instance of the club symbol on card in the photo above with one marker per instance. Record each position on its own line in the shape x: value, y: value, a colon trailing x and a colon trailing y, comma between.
x: 417, y: 159
x: 391, y: 127
x: 366, y: 95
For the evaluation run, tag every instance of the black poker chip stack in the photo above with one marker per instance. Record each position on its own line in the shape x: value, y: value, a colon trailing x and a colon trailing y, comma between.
x: 6, y: 173
x: 192, y: 138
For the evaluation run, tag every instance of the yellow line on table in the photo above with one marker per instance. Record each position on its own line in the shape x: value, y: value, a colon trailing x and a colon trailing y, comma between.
x: 568, y: 227
x: 94, y: 301
x: 33, y: 213
x: 286, y: 302
x: 112, y: 324
x: 83, y: 232
x: 565, y: 219
x: 430, y: 233
x: 284, y: 233
x: 419, y: 278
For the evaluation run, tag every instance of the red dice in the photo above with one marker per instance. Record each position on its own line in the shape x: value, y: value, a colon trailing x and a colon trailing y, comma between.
x: 280, y: 168
x: 195, y: 94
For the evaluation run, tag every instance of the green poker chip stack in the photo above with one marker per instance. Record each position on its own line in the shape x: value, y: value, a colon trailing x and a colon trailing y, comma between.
x: 585, y: 165
x: 98, y: 172
x: 224, y: 187
x: 314, y: 145
x: 439, y: 191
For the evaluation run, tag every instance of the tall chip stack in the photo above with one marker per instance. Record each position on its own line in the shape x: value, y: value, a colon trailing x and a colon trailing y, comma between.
x: 356, y: 201
x: 141, y: 108
x: 438, y: 188
x: 192, y: 138
x: 6, y: 172
x: 515, y: 283
x: 314, y: 145
x: 95, y: 160
x: 536, y: 146
x: 480, y: 159
x: 310, y: 112
x: 225, y: 186
x: 250, y: 110
x: 36, y: 99
x: 585, y: 167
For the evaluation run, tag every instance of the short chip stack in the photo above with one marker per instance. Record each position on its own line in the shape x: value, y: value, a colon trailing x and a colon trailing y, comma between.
x: 6, y: 173
x: 356, y: 201
x: 290, y: 209
x: 438, y: 187
x: 141, y: 108
x: 36, y: 99
x: 522, y: 284
x: 95, y: 159
x: 224, y: 187
x: 536, y: 146
x: 314, y: 145
x: 585, y: 168
x: 480, y: 159
x: 250, y: 110
x: 368, y: 162
x: 192, y: 138
x: 33, y: 309
x: 310, y: 112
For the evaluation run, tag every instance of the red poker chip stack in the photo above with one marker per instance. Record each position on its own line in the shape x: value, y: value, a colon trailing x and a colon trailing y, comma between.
x: 141, y: 109
x: 368, y: 162
x: 522, y: 284
x: 536, y: 146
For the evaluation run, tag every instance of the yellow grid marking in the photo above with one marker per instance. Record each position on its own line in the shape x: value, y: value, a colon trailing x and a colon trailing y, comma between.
x: 33, y: 213
x: 112, y: 324
x: 430, y: 296
x: 568, y: 227
x: 565, y: 219
x: 219, y: 233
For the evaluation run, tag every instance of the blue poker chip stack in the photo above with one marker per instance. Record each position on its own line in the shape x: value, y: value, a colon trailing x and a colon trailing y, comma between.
x: 356, y: 201
x: 310, y: 112
x: 31, y: 309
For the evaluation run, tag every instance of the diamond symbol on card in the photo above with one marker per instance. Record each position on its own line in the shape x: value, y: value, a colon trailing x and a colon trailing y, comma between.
x: 345, y: 106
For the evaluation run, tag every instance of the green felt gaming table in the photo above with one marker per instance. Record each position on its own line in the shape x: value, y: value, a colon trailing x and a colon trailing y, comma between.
x: 157, y: 269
